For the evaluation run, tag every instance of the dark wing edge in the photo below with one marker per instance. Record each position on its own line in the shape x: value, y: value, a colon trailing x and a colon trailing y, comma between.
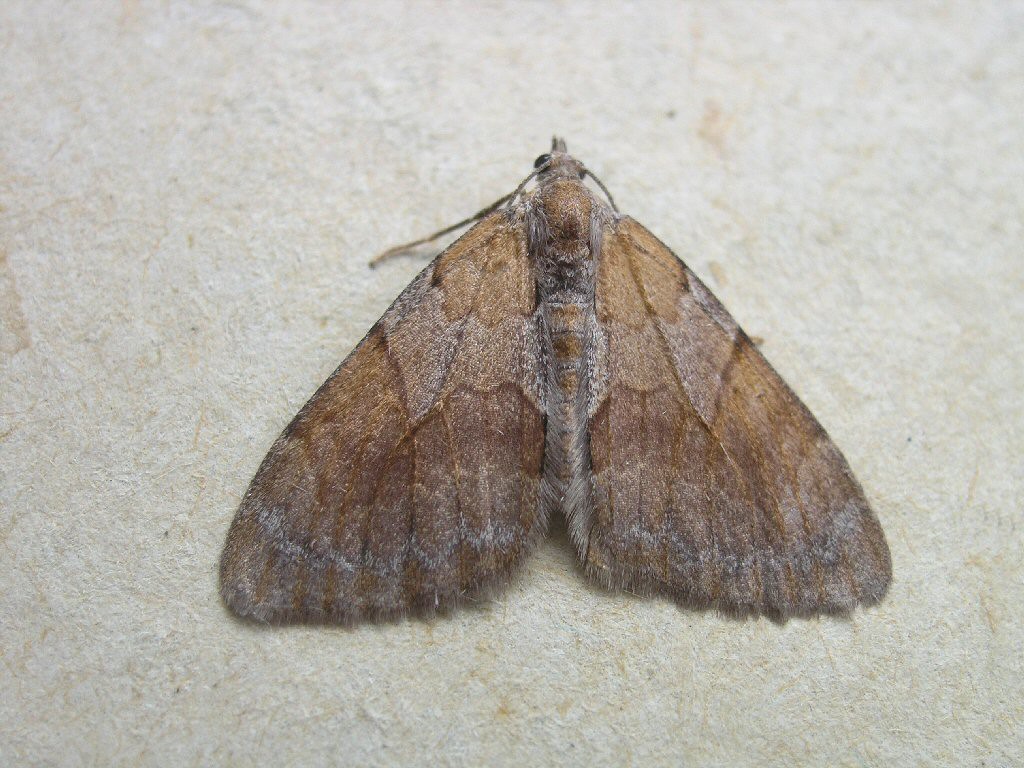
x: 410, y: 481
x: 713, y: 484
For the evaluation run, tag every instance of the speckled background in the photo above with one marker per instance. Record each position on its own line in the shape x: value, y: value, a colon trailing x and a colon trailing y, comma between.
x: 189, y: 194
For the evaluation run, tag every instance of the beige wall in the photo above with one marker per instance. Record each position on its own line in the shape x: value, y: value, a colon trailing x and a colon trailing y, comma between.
x: 189, y: 194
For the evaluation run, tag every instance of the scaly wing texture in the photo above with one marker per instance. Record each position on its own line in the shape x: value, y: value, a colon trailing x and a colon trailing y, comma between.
x: 713, y: 483
x: 411, y: 478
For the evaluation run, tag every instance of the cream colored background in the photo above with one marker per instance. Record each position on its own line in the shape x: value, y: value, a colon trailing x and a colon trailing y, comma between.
x: 189, y: 194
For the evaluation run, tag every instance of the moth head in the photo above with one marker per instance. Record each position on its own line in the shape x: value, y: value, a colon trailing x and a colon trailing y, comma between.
x: 558, y: 162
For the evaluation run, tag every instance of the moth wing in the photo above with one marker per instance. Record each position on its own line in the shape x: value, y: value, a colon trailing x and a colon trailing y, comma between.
x: 411, y: 478
x: 713, y: 484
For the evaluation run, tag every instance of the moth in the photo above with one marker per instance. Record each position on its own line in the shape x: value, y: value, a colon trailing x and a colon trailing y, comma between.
x: 556, y: 359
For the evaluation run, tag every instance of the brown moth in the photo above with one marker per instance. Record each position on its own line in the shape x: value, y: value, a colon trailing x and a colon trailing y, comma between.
x: 556, y: 358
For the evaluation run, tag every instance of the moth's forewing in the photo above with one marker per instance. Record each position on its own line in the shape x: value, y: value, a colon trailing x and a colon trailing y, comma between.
x: 713, y: 483
x: 411, y: 478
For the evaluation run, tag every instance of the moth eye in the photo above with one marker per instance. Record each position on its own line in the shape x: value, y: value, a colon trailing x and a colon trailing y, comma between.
x: 541, y: 160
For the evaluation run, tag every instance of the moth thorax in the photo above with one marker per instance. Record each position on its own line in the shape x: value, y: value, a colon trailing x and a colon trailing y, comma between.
x: 566, y: 209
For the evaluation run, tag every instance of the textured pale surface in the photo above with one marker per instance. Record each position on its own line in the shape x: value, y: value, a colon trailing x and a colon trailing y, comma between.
x: 188, y: 197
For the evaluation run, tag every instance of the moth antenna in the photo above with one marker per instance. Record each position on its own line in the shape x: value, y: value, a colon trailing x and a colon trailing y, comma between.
x: 528, y: 179
x: 587, y: 172
x: 406, y: 247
